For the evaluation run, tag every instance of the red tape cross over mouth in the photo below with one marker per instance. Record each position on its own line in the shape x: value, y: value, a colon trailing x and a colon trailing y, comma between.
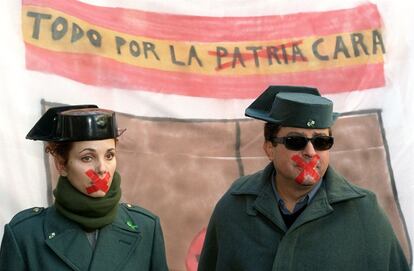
x: 308, y: 168
x: 97, y: 183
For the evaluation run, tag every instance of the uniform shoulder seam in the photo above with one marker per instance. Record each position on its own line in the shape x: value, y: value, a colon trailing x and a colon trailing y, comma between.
x: 25, y: 215
x: 244, y: 184
x: 139, y: 210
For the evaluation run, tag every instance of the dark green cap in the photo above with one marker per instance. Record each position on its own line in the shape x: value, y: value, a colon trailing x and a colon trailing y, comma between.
x: 75, y: 123
x: 293, y: 106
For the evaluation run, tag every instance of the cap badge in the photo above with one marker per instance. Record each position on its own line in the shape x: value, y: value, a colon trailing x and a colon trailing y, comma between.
x: 311, y: 123
x: 101, y: 121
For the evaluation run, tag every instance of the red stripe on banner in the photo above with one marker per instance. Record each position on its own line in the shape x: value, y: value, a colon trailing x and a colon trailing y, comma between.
x: 220, y: 29
x: 111, y: 73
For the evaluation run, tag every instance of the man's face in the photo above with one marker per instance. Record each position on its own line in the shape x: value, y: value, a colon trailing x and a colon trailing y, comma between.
x: 302, y: 167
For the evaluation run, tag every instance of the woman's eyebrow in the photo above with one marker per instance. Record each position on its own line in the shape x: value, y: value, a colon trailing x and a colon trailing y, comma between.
x: 87, y: 149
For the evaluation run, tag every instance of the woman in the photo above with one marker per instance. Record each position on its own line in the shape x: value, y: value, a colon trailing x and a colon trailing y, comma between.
x: 86, y: 228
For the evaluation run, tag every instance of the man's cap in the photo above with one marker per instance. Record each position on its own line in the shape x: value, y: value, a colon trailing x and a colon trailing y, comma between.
x: 75, y: 123
x: 293, y: 106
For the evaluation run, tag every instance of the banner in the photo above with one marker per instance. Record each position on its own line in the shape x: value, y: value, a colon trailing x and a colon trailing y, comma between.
x: 204, y: 56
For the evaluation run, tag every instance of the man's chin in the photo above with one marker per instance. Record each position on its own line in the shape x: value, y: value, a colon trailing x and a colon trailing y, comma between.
x: 308, y: 182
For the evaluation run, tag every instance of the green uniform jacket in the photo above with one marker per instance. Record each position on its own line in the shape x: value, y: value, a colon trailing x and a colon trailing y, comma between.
x: 343, y: 228
x: 42, y: 239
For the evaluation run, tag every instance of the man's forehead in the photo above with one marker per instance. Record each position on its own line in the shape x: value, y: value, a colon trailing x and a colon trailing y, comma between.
x: 284, y: 130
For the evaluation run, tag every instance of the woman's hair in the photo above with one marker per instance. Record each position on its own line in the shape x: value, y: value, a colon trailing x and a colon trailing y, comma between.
x: 60, y: 149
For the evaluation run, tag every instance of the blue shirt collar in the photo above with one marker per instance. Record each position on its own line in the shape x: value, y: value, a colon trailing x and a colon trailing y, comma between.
x: 301, y: 203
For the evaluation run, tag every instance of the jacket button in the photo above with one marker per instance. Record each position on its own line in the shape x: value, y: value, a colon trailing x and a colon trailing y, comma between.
x: 36, y: 209
x: 129, y: 205
x: 52, y: 235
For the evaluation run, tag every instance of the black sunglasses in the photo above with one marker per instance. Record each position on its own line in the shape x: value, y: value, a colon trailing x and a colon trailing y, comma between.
x: 298, y: 143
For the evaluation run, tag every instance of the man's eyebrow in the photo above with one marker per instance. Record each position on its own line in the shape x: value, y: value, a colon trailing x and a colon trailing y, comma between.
x: 303, y: 134
x: 320, y: 133
x: 295, y: 133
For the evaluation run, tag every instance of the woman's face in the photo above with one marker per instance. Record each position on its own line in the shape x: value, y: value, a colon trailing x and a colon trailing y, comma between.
x: 90, y: 166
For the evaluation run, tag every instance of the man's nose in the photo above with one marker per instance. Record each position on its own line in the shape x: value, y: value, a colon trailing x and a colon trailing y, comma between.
x: 309, y: 150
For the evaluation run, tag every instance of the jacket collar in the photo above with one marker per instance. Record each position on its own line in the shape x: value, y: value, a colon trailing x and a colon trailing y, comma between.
x: 69, y: 242
x: 334, y: 189
x: 337, y: 188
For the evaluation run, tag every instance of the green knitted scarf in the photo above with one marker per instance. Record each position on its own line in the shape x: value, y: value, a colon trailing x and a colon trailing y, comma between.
x: 91, y: 213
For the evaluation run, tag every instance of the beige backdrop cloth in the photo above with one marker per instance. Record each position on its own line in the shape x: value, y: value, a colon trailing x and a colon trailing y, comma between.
x: 178, y: 169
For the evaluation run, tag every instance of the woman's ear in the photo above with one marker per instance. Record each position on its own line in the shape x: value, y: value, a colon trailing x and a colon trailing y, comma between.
x: 60, y: 165
x: 268, y: 149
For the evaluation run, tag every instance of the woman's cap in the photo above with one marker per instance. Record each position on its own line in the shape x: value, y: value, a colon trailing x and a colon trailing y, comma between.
x: 75, y: 123
x: 293, y: 106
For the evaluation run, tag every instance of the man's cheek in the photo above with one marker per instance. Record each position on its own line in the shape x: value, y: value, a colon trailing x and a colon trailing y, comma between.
x: 309, y: 173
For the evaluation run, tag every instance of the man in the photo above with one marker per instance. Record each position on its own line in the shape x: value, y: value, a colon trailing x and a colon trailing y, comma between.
x: 298, y: 213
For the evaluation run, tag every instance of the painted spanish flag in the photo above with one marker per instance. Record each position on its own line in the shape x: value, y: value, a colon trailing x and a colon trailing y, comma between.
x: 220, y: 57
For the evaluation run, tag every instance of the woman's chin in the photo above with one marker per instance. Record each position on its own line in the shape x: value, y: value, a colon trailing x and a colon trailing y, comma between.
x: 97, y: 194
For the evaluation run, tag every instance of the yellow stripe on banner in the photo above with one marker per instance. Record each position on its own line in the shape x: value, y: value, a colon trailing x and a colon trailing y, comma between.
x: 56, y: 31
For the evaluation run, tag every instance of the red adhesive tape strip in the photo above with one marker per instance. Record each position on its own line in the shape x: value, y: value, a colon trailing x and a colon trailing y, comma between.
x: 308, y: 168
x: 97, y: 183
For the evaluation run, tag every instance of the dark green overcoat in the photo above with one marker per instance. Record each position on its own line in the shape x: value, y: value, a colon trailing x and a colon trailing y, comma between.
x: 343, y: 228
x: 41, y: 240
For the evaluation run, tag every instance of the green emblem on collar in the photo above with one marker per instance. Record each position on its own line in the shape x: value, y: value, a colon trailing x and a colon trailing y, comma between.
x: 132, y: 225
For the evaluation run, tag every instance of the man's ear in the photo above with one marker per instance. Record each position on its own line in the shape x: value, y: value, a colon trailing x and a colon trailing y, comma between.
x: 60, y: 165
x: 269, y: 149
